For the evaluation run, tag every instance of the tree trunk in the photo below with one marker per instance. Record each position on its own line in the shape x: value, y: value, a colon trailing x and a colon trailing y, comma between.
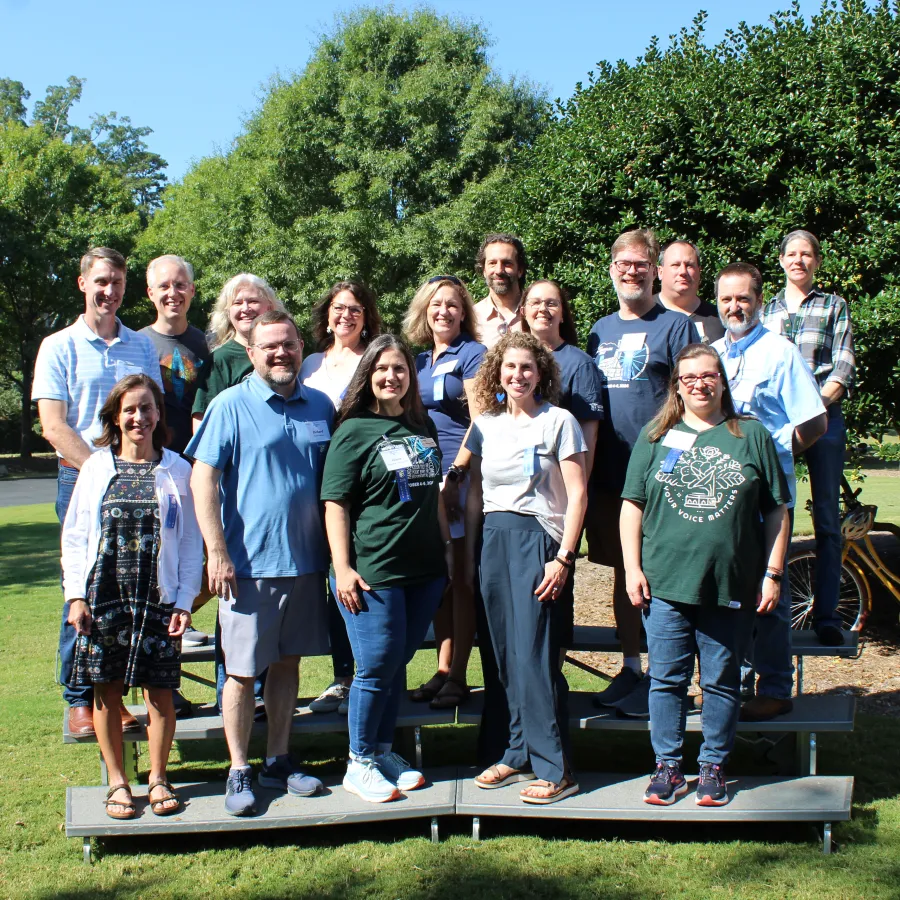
x: 27, y: 418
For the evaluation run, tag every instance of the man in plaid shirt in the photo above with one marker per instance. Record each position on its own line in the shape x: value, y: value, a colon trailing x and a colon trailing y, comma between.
x: 819, y: 325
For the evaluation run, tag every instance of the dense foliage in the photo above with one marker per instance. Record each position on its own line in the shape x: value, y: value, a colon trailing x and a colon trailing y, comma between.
x: 791, y: 124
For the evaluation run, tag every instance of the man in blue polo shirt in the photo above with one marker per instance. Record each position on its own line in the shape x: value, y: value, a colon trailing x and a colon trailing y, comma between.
x: 75, y: 370
x: 768, y: 379
x: 258, y: 458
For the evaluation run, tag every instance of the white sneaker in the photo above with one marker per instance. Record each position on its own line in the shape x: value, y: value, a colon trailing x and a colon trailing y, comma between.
x: 330, y: 699
x: 365, y: 779
x: 398, y: 771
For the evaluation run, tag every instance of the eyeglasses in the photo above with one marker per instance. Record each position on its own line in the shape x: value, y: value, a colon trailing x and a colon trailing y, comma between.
x: 451, y: 278
x: 289, y: 347
x: 353, y: 311
x: 707, y: 378
x: 550, y: 305
x: 623, y: 265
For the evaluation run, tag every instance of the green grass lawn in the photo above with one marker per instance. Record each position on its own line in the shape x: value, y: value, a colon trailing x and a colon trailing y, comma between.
x: 519, y: 858
x: 879, y: 489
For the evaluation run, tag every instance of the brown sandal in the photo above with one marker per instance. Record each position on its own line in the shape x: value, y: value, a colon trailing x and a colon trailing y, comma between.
x: 511, y: 777
x: 428, y: 691
x: 565, y: 788
x: 129, y: 811
x: 156, y: 806
x: 451, y: 695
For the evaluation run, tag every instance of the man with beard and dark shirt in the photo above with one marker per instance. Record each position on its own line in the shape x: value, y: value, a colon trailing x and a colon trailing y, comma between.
x: 679, y: 278
x: 635, y: 350
x: 501, y: 261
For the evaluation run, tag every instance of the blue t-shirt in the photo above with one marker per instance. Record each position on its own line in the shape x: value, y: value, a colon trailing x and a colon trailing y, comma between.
x: 581, y: 387
x: 635, y: 358
x: 271, y: 452
x: 443, y: 392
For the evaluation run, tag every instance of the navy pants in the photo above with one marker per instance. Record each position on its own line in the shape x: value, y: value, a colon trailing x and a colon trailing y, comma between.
x: 526, y: 638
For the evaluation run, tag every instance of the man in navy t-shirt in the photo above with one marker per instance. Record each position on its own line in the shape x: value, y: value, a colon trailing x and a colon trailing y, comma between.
x: 635, y: 350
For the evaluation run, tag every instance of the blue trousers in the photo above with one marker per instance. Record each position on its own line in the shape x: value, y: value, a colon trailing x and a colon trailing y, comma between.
x: 526, y: 637
x: 675, y: 631
x: 385, y: 636
x: 74, y: 696
x: 825, y: 460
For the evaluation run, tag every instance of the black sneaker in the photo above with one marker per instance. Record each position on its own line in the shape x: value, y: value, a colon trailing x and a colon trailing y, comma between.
x: 711, y: 787
x: 666, y: 785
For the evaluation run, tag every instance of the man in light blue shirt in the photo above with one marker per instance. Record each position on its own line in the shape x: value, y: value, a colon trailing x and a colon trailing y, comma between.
x: 768, y: 379
x: 258, y: 456
x: 75, y: 370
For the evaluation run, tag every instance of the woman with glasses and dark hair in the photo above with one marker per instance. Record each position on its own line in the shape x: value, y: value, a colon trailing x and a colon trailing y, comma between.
x: 704, y: 530
x: 390, y: 550
x: 132, y: 559
x: 442, y: 317
x: 344, y: 322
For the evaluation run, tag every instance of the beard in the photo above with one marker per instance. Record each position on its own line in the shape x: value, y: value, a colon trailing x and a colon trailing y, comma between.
x: 500, y: 284
x: 738, y: 329
x: 279, y: 377
x: 630, y: 296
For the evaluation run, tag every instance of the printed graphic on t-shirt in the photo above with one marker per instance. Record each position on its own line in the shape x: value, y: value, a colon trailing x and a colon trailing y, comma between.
x: 425, y: 465
x: 625, y: 360
x: 703, y: 485
x: 179, y: 372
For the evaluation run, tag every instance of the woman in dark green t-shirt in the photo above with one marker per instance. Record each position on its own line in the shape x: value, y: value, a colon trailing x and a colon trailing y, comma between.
x: 704, y: 531
x: 390, y: 546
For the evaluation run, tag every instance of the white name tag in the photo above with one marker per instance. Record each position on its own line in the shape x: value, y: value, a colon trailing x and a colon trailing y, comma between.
x: 678, y: 440
x: 318, y: 431
x: 395, y: 457
x: 429, y: 442
x: 700, y: 330
x: 445, y: 368
x: 743, y: 391
x: 631, y: 343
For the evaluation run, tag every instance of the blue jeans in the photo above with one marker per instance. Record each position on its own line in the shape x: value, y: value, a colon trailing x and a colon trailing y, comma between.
x: 719, y: 636
x: 825, y: 460
x: 769, y: 653
x: 74, y: 696
x: 385, y: 636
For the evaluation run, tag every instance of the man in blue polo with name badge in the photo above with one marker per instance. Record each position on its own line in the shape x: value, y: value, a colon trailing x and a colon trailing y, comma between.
x: 258, y: 457
x: 768, y: 379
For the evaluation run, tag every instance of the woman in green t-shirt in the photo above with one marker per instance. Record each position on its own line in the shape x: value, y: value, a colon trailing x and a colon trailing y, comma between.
x: 704, y: 531
x: 390, y: 546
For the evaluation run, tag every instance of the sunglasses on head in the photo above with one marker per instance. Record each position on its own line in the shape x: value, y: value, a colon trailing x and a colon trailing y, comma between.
x: 451, y: 278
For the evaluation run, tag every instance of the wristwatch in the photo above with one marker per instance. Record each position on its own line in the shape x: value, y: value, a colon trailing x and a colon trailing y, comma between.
x: 566, y: 558
x: 456, y: 474
x: 775, y: 576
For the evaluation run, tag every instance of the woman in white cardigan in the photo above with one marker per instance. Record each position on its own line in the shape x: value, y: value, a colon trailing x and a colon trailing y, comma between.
x: 132, y: 557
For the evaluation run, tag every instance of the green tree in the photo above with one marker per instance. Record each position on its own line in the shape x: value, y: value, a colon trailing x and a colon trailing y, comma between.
x: 12, y: 100
x: 383, y: 160
x: 785, y: 125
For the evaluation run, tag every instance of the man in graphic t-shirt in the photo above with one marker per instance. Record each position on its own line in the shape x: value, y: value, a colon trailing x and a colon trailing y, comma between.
x: 679, y: 278
x: 635, y: 350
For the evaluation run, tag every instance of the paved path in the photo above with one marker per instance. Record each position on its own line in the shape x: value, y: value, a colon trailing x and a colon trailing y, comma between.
x: 27, y: 491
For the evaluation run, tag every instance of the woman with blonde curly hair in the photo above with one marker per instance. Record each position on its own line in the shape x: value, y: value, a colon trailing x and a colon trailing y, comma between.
x: 442, y: 317
x: 527, y: 499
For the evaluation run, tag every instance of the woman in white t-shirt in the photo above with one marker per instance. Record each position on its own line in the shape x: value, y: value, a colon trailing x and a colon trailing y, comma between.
x: 526, y: 501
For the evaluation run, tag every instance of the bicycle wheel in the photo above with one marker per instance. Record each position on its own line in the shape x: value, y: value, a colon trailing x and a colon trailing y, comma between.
x: 852, y: 598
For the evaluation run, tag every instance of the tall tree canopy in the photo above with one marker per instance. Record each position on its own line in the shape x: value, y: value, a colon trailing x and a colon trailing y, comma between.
x: 785, y: 125
x: 381, y: 160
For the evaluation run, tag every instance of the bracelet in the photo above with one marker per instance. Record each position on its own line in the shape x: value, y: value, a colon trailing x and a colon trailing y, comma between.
x: 456, y: 473
x: 565, y: 562
x: 775, y: 576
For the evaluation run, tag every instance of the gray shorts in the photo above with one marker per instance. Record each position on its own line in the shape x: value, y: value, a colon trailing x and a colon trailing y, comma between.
x: 272, y: 618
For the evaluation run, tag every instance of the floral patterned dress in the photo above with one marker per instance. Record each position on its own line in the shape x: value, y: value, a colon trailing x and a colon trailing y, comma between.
x: 129, y: 637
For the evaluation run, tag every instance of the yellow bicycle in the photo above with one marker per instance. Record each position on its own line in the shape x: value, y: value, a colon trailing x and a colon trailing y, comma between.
x: 859, y: 555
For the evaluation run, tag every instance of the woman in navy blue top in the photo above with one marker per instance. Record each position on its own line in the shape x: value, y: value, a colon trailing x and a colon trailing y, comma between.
x: 442, y: 317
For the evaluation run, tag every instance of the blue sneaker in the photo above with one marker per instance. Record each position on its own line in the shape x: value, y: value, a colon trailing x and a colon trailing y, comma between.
x: 711, y: 787
x: 399, y: 772
x: 667, y: 784
x: 239, y: 799
x: 285, y: 775
x: 366, y: 780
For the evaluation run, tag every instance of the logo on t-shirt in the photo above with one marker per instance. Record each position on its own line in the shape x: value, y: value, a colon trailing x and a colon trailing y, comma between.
x: 703, y: 484
x: 625, y: 360
x: 425, y: 465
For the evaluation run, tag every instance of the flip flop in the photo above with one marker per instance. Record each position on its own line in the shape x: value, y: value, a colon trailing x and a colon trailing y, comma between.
x: 428, y: 691
x: 156, y: 806
x: 565, y: 789
x: 502, y: 781
x: 127, y: 805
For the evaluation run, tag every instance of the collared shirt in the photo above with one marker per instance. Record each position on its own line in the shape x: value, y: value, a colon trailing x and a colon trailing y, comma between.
x: 270, y: 451
x: 821, y: 331
x: 80, y: 368
x: 443, y: 393
x: 492, y: 325
x: 768, y: 379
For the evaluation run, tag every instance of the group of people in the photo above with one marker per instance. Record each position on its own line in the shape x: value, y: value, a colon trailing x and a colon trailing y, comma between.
x: 349, y: 499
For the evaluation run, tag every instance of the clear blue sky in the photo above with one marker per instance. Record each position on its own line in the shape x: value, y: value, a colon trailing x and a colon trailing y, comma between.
x: 193, y: 70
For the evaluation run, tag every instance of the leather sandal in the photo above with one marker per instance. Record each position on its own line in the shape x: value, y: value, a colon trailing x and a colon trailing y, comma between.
x: 156, y: 806
x: 512, y: 777
x: 451, y: 695
x: 428, y: 691
x: 565, y: 788
x: 128, y: 810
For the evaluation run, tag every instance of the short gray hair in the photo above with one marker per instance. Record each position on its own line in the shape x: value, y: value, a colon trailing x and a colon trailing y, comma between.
x: 170, y: 258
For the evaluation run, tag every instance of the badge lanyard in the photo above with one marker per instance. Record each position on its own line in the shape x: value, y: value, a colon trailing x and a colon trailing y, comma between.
x: 677, y: 442
x: 529, y: 461
x: 172, y: 512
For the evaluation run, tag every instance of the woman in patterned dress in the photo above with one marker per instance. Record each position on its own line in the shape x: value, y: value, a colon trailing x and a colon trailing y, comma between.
x: 132, y: 559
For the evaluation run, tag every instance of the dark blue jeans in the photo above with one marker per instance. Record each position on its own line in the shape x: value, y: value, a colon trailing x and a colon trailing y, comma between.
x: 74, y: 696
x: 675, y: 631
x: 384, y: 636
x: 825, y: 460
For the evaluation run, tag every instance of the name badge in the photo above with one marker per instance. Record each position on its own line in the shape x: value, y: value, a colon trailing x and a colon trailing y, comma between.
x: 631, y: 343
x: 743, y: 391
x: 679, y: 440
x: 318, y: 431
x: 395, y: 457
x: 700, y: 330
x: 445, y: 368
x: 172, y: 512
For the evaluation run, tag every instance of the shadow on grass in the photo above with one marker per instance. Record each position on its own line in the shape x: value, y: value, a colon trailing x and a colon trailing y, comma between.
x: 29, y: 550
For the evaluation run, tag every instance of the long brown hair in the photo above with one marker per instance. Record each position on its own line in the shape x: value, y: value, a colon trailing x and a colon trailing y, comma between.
x: 359, y: 396
x: 487, y: 381
x: 112, y: 433
x: 672, y: 411
x: 371, y: 318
